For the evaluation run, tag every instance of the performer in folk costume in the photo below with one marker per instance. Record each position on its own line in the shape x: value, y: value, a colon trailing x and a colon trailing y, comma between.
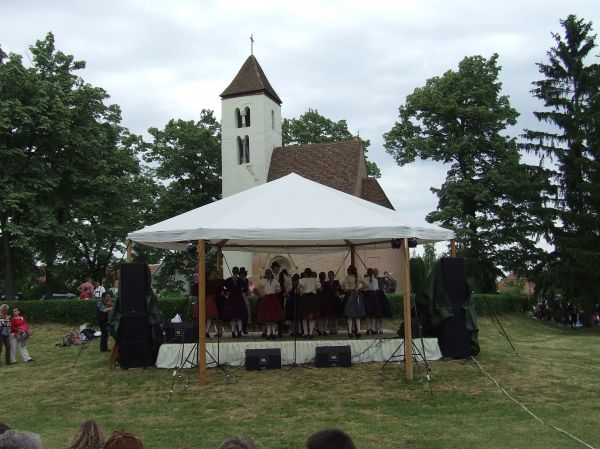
x: 283, y: 278
x: 235, y: 307
x: 309, y: 303
x: 246, y: 295
x: 292, y: 307
x: 213, y: 288
x: 373, y: 309
x: 383, y: 302
x: 270, y: 312
x: 354, y: 307
x: 326, y: 304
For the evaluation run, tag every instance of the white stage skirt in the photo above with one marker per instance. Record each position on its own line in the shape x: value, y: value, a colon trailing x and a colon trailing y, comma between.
x: 175, y: 355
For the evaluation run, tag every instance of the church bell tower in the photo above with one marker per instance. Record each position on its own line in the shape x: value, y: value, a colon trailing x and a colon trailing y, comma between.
x: 250, y: 128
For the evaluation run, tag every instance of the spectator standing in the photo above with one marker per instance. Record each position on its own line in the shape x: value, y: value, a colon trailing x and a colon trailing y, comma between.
x: 86, y: 290
x: 103, y: 307
x: 5, y: 333
x: 20, y: 334
x: 99, y: 290
x: 390, y: 282
x: 89, y: 436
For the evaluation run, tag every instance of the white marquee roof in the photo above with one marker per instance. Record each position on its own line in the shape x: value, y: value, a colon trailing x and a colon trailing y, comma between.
x: 293, y: 213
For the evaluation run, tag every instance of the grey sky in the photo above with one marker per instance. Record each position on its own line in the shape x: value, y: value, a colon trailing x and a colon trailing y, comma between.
x: 353, y: 60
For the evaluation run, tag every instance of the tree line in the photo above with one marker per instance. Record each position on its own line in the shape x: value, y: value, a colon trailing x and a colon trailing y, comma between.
x: 74, y: 181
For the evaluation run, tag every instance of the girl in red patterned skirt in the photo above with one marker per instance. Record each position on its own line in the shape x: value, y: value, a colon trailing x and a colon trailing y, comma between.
x: 270, y: 312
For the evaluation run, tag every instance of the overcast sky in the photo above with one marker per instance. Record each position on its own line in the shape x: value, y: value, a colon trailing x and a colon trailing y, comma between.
x: 352, y: 60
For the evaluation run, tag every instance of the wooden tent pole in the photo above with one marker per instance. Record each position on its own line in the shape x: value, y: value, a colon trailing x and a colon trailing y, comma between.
x: 408, y: 358
x: 452, y: 248
x: 352, y: 256
x: 201, y: 312
x: 129, y: 245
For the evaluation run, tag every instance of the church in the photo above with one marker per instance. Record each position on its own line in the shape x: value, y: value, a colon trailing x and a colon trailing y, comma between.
x: 252, y: 154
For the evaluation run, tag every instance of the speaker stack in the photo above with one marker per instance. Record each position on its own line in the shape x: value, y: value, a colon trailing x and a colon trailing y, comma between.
x: 136, y: 347
x: 453, y: 337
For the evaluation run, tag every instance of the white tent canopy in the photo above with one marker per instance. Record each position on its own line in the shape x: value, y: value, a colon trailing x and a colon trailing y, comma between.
x: 293, y: 213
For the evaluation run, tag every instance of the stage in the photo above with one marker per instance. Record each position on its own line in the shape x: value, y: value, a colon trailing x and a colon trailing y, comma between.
x: 232, y: 352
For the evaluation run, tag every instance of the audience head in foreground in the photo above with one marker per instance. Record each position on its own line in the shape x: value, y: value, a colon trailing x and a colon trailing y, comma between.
x: 237, y: 443
x: 89, y: 436
x: 330, y: 439
x: 15, y: 439
x: 123, y: 440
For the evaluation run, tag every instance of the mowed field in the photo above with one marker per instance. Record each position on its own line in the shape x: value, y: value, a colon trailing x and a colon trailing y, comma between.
x: 554, y: 372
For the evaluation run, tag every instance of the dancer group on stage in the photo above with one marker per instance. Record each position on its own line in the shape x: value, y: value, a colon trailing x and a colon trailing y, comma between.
x: 305, y: 305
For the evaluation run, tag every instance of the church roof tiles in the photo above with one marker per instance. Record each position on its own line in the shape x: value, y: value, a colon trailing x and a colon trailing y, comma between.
x: 250, y: 80
x: 340, y: 165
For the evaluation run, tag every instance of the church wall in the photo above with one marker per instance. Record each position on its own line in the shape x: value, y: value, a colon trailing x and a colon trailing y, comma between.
x: 263, y: 137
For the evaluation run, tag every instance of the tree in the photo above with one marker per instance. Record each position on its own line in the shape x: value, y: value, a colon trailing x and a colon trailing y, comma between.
x: 570, y: 90
x: 488, y: 196
x: 311, y: 127
x: 429, y: 258
x: 69, y: 177
x: 186, y: 156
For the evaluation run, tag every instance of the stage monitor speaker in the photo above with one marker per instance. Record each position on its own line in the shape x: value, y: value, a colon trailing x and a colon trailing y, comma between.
x: 333, y: 356
x: 454, y: 277
x: 134, y: 285
x: 181, y: 332
x: 262, y: 359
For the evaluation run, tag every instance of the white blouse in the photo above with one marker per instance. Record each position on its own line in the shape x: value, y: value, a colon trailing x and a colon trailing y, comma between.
x: 352, y: 283
x: 370, y: 284
x: 268, y: 286
x: 309, y: 285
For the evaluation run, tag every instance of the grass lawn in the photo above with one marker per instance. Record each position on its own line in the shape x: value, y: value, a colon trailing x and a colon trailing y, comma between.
x: 554, y: 373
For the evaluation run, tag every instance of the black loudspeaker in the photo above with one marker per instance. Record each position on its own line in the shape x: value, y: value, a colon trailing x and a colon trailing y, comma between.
x: 135, y: 342
x: 134, y: 285
x: 453, y: 337
x: 333, y: 356
x: 181, y: 332
x: 261, y: 359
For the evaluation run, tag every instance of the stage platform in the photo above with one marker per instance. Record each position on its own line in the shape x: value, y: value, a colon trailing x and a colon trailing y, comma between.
x: 232, y: 352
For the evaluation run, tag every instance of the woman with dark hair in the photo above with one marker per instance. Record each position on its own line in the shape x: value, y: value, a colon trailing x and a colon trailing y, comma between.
x: 214, y: 285
x: 20, y: 335
x: 326, y: 304
x: 235, y: 310
x: 354, y: 307
x: 292, y: 307
x: 270, y: 312
x: 309, y: 303
x: 123, y: 440
x: 373, y: 307
x: 89, y: 436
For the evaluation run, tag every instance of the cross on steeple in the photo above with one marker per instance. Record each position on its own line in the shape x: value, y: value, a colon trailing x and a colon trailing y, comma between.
x: 252, y: 44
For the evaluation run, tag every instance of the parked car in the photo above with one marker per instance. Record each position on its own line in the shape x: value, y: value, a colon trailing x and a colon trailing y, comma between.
x: 18, y: 296
x: 59, y: 296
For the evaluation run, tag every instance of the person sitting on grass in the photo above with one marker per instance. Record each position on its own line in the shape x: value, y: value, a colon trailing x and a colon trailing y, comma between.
x: 123, y: 440
x: 237, y: 443
x: 89, y: 436
x: 330, y: 439
x: 15, y: 439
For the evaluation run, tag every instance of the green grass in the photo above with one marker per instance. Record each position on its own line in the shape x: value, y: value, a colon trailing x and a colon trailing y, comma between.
x: 554, y: 373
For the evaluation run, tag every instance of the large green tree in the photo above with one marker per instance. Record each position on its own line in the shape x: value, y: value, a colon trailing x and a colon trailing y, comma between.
x: 312, y: 127
x: 70, y: 180
x: 570, y: 92
x: 488, y: 196
x: 185, y: 157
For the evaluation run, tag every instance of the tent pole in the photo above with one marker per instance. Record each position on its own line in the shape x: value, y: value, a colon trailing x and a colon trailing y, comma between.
x: 201, y: 312
x: 408, y: 359
x: 452, y: 248
x: 129, y: 245
x: 352, y: 256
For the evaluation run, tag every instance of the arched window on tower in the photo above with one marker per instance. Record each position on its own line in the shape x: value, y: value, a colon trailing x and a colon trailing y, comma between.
x: 247, y: 116
x: 272, y: 119
x: 240, y: 145
x: 246, y: 150
x: 238, y: 118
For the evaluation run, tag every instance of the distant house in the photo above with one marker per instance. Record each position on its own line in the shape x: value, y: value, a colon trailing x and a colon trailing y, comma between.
x: 515, y: 284
x: 155, y: 270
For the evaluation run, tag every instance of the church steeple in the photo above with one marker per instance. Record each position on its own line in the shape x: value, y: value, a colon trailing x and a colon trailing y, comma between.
x: 251, y: 80
x: 250, y: 128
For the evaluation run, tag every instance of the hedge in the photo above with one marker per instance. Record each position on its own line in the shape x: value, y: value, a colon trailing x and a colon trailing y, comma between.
x: 76, y: 311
